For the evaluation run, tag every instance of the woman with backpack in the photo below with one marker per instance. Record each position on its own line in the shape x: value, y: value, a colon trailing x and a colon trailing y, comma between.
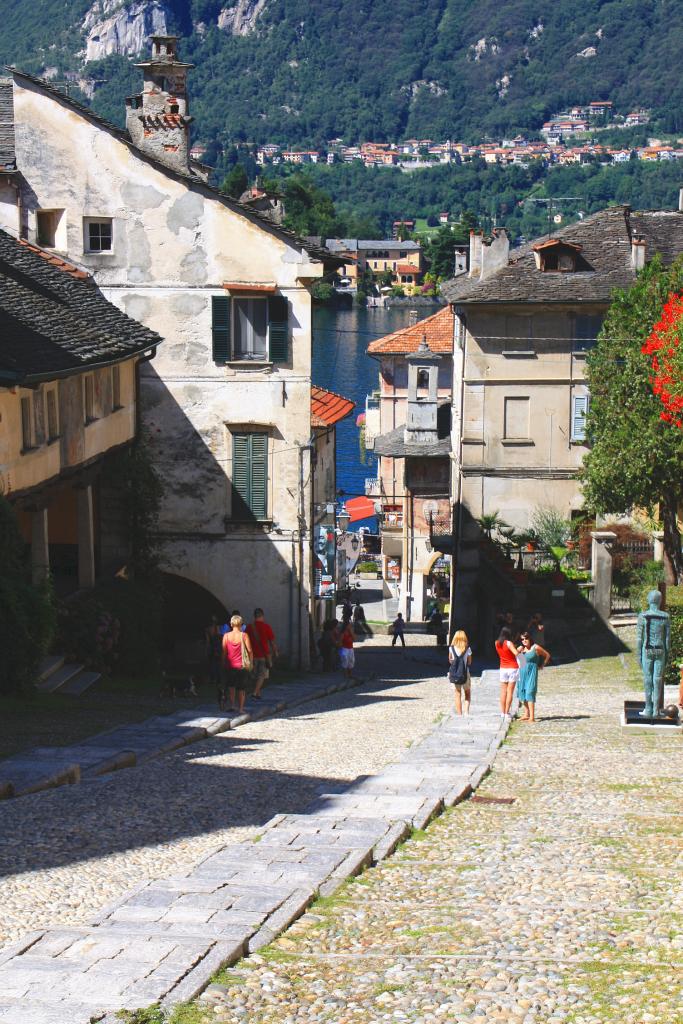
x: 460, y: 659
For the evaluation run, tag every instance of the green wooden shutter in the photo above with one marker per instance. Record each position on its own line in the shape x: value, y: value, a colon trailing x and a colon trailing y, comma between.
x: 241, y: 476
x: 278, y: 329
x: 250, y: 476
x: 259, y: 475
x: 220, y: 327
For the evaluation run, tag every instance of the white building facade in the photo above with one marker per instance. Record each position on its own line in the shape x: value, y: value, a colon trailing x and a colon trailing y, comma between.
x: 226, y: 404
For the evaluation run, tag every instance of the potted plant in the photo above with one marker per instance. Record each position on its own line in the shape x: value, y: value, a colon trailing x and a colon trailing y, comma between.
x: 490, y: 522
x: 559, y: 553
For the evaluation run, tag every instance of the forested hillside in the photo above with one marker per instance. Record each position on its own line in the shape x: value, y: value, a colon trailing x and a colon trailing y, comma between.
x: 305, y: 71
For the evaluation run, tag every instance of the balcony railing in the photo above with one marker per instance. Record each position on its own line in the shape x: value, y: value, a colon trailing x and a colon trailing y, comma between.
x: 441, y: 534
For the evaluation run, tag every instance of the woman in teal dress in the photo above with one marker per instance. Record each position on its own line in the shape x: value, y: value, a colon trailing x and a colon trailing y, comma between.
x: 532, y: 657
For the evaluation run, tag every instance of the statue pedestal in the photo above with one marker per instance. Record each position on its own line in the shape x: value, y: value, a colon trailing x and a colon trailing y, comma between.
x: 632, y: 721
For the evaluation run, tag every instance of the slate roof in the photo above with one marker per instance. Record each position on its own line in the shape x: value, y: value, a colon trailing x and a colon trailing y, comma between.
x: 328, y: 408
x: 605, y: 240
x: 7, y: 154
x: 361, y: 244
x: 54, y: 321
x: 438, y: 328
x: 393, y: 445
x: 319, y: 253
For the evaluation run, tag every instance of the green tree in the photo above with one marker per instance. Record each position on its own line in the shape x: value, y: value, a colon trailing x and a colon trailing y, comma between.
x: 635, y: 459
x: 235, y: 182
x: 440, y: 253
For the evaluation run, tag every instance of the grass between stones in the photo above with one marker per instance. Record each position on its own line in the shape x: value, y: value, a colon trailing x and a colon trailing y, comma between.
x: 558, y: 905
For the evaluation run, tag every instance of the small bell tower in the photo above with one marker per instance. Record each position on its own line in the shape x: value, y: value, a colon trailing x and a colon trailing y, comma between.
x: 423, y: 382
x: 157, y: 119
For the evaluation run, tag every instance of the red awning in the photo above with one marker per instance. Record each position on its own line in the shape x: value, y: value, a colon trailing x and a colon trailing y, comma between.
x: 360, y: 508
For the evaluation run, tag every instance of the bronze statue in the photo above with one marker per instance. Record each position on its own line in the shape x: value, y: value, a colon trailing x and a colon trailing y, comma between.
x: 653, y: 643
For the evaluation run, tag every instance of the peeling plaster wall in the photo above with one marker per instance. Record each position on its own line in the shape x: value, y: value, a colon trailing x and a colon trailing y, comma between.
x: 174, y: 247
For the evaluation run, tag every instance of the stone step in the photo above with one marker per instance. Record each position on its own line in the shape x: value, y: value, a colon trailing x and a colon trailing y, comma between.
x: 80, y: 683
x: 57, y: 679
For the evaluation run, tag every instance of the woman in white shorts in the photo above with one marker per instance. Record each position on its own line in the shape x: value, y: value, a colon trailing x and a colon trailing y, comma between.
x: 346, y: 653
x: 509, y: 669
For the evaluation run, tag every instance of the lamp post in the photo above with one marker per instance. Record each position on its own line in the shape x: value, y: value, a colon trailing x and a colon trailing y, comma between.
x: 343, y: 520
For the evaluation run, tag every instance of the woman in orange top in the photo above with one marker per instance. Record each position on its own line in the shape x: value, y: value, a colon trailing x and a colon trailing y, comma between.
x: 509, y: 670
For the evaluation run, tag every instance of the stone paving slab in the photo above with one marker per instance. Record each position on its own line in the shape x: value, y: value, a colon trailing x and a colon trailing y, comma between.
x: 164, y: 939
x: 128, y: 745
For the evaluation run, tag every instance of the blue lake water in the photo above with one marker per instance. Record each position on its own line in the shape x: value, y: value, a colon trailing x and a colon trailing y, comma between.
x: 341, y: 363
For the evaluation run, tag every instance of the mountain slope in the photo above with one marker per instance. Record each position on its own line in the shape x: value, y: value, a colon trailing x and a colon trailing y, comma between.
x: 296, y: 71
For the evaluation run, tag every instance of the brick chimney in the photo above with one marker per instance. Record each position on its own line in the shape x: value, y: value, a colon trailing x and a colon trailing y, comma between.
x: 638, y: 253
x: 158, y: 118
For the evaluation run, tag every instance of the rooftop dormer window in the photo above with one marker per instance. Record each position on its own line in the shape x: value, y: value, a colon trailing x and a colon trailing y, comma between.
x: 556, y: 256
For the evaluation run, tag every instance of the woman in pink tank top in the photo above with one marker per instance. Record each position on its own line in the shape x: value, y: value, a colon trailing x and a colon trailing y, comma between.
x: 237, y: 654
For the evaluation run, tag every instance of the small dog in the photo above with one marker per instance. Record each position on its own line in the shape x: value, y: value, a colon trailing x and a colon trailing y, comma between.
x: 176, y: 688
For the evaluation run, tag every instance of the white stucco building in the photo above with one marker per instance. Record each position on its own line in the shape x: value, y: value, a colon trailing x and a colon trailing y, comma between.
x: 226, y: 404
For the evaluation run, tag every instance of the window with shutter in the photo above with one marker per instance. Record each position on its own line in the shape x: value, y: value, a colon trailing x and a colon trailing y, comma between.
x: 579, y: 413
x: 250, y: 329
x: 586, y: 330
x: 250, y: 476
x: 220, y: 328
x: 519, y: 332
x: 26, y: 425
x: 278, y: 329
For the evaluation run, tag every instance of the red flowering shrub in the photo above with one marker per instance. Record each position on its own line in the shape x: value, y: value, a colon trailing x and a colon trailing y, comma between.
x: 665, y: 350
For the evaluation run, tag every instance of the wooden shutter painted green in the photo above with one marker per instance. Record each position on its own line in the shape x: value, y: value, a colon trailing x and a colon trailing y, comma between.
x: 220, y: 327
x: 278, y: 329
x: 259, y: 475
x: 250, y: 476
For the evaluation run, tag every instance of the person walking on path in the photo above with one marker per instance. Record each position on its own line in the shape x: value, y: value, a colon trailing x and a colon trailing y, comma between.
x: 533, y: 658
x: 535, y: 628
x: 460, y: 659
x: 346, y: 653
x: 214, y: 639
x: 509, y: 669
x: 347, y: 611
x: 397, y: 628
x: 264, y: 647
x: 238, y: 662
x: 359, y: 622
x: 327, y: 645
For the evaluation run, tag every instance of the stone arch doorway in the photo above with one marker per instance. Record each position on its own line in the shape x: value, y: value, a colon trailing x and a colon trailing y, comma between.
x: 188, y: 608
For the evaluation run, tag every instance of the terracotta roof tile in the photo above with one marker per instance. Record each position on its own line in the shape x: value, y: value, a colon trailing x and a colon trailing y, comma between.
x: 56, y: 261
x: 438, y: 328
x: 328, y: 408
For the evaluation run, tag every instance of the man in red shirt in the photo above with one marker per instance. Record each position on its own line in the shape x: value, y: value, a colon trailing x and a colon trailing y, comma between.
x: 264, y: 647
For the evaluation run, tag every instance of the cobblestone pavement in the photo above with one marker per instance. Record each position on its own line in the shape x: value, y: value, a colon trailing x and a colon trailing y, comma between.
x: 564, y: 906
x: 66, y: 852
